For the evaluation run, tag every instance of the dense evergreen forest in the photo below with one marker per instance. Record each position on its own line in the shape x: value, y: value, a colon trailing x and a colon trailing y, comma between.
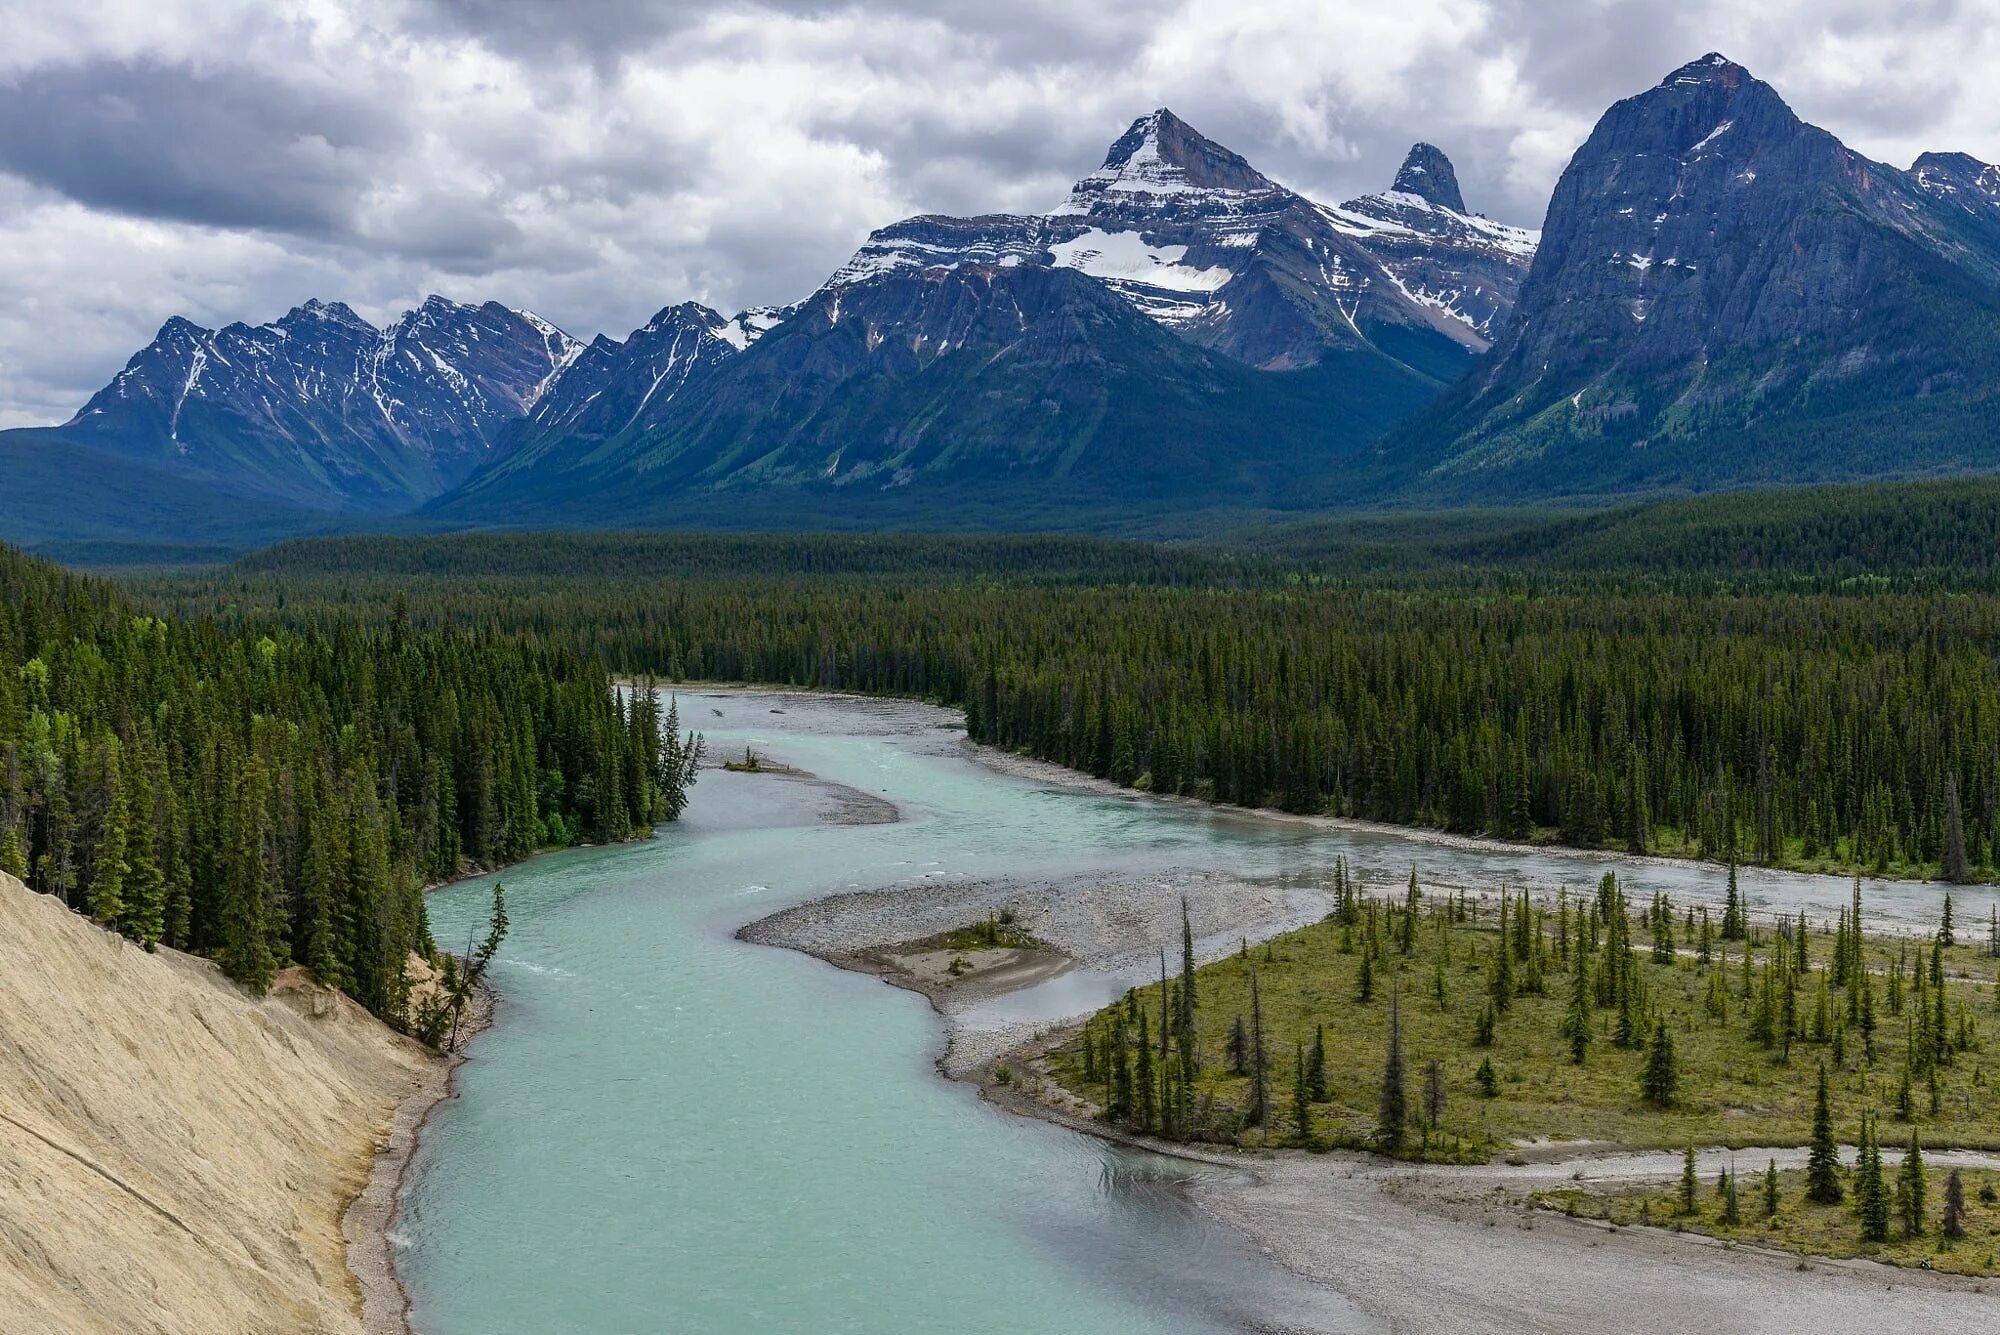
x: 270, y: 795
x: 1789, y: 679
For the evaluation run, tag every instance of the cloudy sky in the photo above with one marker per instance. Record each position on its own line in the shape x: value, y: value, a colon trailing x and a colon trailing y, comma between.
x: 597, y: 159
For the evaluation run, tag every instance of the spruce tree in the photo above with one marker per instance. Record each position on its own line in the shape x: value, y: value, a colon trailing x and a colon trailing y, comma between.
x: 1953, y: 1224
x: 1302, y: 1099
x: 1953, y: 865
x: 1487, y: 1078
x: 1392, y: 1108
x: 1771, y: 1189
x: 1688, y: 1183
x: 1577, y: 1022
x: 1316, y: 1067
x: 108, y: 868
x: 1823, y: 1158
x: 1187, y: 995
x: 1733, y: 921
x: 1659, y: 1079
x: 1120, y: 1108
x: 1910, y: 1188
x: 1732, y: 1209
x: 1260, y: 1067
x: 1871, y: 1193
x: 1145, y: 1109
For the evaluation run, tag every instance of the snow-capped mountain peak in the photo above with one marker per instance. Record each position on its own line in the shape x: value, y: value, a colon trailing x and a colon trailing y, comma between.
x: 1428, y: 174
x: 1464, y: 267
x: 321, y: 407
x: 1163, y: 162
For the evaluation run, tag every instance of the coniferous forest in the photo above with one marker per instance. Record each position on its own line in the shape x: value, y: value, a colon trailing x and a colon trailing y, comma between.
x: 1775, y: 711
x: 271, y: 795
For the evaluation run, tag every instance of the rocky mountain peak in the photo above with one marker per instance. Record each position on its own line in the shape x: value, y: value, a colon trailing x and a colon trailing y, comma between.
x: 1427, y: 173
x: 1948, y: 173
x: 1163, y: 157
x: 1713, y: 68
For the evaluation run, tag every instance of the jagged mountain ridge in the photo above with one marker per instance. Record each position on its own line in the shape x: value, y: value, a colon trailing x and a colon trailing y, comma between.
x: 929, y: 389
x: 320, y: 408
x: 869, y: 383
x: 1464, y: 266
x: 1194, y: 236
x: 1725, y: 295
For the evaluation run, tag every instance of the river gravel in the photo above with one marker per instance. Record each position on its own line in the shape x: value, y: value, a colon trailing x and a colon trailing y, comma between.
x: 1415, y: 1248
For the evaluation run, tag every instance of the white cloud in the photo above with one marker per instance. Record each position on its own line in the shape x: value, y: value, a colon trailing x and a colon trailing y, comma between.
x: 597, y: 162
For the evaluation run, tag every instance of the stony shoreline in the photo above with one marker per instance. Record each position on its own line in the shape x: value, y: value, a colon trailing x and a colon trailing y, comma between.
x: 1325, y: 1217
x: 370, y: 1218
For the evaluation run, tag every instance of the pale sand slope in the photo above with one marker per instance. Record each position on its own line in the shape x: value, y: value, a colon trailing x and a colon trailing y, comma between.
x: 175, y: 1155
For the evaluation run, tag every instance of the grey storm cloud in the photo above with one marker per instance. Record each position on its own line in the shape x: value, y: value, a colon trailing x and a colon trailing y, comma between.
x: 226, y: 159
x: 224, y: 147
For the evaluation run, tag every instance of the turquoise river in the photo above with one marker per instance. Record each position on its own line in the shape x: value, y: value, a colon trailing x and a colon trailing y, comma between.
x: 668, y: 1129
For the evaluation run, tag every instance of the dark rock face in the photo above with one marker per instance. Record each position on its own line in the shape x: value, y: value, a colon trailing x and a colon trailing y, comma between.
x: 1428, y: 174
x: 1110, y: 343
x: 949, y: 380
x: 321, y: 408
x: 1466, y: 267
x: 1713, y: 272
x: 612, y: 387
x: 1196, y: 238
x: 1958, y: 176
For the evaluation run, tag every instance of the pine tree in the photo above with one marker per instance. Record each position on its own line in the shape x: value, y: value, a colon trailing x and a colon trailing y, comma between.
x: 1238, y: 1049
x: 1688, y: 1185
x: 1365, y: 987
x: 1945, y: 933
x: 1660, y: 1078
x: 1732, y: 1209
x: 1316, y: 1067
x: 1823, y: 1158
x: 1393, y: 1107
x: 1771, y: 1189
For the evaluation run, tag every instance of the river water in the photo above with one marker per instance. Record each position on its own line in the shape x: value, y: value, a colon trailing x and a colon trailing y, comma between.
x: 670, y: 1129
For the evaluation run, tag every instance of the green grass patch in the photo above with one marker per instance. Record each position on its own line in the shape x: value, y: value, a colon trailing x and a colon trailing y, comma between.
x: 1514, y: 1078
x: 1802, y: 1226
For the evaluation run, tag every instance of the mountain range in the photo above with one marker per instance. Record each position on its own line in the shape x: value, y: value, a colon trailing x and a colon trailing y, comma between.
x: 1721, y: 296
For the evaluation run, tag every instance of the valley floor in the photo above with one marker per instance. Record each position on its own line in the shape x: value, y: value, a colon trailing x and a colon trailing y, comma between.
x: 1431, y: 1247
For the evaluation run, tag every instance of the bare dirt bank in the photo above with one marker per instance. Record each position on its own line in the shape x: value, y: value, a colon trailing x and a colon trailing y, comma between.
x: 176, y: 1155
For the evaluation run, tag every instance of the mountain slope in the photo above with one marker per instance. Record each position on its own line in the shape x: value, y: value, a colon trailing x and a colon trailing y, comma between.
x: 57, y: 490
x: 179, y: 1153
x: 934, y: 387
x: 1133, y: 344
x: 613, y: 388
x: 1726, y: 296
x: 1195, y: 237
x: 1460, y: 264
x: 320, y: 408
